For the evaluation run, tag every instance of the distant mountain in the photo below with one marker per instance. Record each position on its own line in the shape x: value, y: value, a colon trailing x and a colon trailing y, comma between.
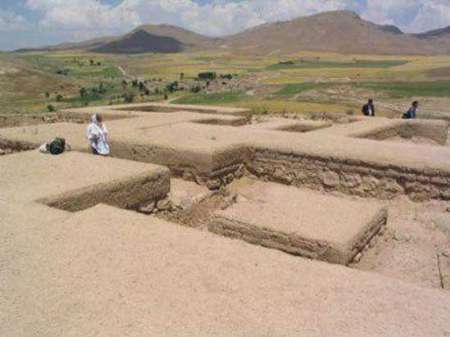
x: 89, y: 44
x: 438, y: 33
x: 391, y: 29
x: 189, y: 39
x: 141, y: 42
x: 156, y: 39
x: 338, y: 31
x: 144, y: 39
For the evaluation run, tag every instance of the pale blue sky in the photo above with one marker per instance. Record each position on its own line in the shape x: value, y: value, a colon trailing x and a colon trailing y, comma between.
x: 26, y: 23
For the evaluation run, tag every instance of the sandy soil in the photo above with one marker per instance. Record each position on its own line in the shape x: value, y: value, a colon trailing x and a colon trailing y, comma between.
x: 132, y: 275
x: 414, y: 140
x: 416, y: 245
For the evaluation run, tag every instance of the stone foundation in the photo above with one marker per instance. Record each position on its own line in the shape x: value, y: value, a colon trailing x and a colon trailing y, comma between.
x: 349, y: 177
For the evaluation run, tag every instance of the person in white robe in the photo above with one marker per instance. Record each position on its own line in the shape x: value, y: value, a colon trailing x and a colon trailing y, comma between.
x: 97, y: 134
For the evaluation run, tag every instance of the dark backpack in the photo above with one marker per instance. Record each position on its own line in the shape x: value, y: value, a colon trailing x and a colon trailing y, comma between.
x: 57, y: 146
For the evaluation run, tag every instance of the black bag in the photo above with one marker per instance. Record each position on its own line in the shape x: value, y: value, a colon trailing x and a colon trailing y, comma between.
x: 57, y: 146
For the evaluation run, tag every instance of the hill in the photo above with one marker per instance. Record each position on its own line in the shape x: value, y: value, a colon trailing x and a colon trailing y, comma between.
x: 156, y: 39
x: 339, y: 31
x: 438, y: 33
x: 141, y: 42
x: 84, y: 45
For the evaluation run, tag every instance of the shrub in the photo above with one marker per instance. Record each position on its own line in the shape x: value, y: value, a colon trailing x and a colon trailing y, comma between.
x: 128, y: 97
x: 209, y: 75
x: 226, y: 77
x: 51, y: 108
x: 83, y: 92
x: 63, y: 72
x: 172, y: 87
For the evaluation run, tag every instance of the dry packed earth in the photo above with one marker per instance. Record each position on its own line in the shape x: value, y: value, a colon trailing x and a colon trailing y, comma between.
x: 203, y: 223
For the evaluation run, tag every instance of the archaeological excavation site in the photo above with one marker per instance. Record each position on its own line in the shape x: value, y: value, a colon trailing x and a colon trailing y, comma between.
x: 206, y: 221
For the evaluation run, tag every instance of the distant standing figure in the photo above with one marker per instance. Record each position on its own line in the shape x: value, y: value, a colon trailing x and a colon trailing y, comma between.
x: 97, y: 134
x: 369, y: 109
x: 412, y: 112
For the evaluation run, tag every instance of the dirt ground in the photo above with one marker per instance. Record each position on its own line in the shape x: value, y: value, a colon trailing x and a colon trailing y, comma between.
x: 415, y: 246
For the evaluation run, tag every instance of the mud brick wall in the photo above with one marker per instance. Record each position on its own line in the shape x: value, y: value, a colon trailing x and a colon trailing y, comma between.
x: 434, y: 130
x: 349, y: 176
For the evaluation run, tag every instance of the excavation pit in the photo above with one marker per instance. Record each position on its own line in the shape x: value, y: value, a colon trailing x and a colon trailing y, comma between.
x: 425, y: 132
x: 300, y: 222
x: 341, y: 157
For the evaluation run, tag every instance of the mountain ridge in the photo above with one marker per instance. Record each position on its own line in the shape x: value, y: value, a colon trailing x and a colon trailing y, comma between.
x: 336, y: 31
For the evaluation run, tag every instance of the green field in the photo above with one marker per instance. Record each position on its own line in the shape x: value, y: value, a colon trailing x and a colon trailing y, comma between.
x: 212, y: 99
x: 410, y: 89
x: 327, y: 64
x: 306, y: 83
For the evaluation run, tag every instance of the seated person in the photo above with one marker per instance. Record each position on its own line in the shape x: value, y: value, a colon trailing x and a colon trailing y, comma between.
x: 97, y: 134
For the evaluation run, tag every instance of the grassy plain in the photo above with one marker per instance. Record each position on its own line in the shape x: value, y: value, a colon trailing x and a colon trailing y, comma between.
x: 303, y: 83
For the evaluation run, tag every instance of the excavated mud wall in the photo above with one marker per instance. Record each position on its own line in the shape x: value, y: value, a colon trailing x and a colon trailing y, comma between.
x: 128, y: 194
x: 434, y: 130
x: 7, y: 146
x: 295, y: 244
x: 213, y: 170
x: 348, y: 176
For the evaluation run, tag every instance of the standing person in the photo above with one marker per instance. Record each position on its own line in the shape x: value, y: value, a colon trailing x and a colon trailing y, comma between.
x: 97, y: 134
x: 412, y: 112
x: 369, y: 109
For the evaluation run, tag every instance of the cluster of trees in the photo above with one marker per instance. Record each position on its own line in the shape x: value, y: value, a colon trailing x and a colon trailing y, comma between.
x: 135, y: 87
x: 94, y: 92
x: 211, y: 76
x: 94, y: 63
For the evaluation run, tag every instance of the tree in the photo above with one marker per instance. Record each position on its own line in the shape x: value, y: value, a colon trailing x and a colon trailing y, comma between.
x: 83, y: 92
x: 181, y: 76
x: 51, y: 108
x: 172, y: 87
x: 47, y: 94
x: 207, y: 76
x: 59, y: 98
x: 101, y: 89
